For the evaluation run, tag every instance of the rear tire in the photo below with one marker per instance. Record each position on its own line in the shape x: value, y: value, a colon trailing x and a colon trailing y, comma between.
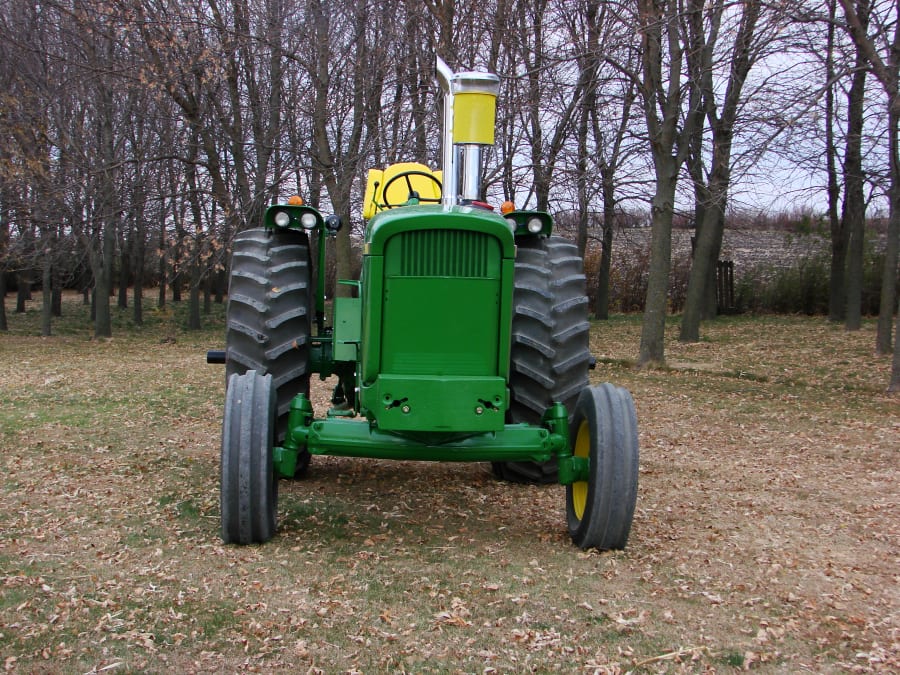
x: 550, y: 354
x: 603, y: 429
x: 269, y: 317
x: 248, y: 496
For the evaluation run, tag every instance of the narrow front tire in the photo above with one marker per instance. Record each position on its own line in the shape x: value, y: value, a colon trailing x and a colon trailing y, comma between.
x: 249, y: 486
x: 604, y: 431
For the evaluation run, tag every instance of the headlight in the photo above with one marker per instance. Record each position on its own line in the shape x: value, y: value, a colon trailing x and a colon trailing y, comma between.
x: 308, y: 220
x: 535, y: 225
x: 512, y: 224
x: 282, y: 218
x: 333, y: 223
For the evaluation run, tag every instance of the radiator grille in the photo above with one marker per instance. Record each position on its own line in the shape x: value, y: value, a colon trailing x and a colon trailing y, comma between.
x: 444, y: 253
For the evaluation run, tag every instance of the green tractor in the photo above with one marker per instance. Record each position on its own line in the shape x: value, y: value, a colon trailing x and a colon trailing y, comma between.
x: 467, y: 340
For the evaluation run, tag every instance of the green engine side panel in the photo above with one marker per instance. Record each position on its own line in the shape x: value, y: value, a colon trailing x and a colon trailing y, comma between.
x: 346, y: 328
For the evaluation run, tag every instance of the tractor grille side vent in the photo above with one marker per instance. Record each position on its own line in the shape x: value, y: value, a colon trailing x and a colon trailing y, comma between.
x: 444, y: 253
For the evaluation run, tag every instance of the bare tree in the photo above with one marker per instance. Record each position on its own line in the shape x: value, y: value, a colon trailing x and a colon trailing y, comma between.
x: 339, y: 70
x: 837, y: 293
x: 664, y: 92
x: 547, y: 97
x: 602, y: 127
x: 4, y: 247
x: 894, y: 385
x: 879, y: 42
x: 745, y: 50
x: 853, y: 215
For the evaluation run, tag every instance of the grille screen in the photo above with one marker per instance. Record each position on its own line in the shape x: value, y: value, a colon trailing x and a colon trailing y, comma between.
x: 444, y: 253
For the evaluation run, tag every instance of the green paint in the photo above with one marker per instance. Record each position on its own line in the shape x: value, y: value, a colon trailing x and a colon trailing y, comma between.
x: 437, y: 287
x: 347, y: 318
x: 425, y: 346
x: 348, y: 438
x: 464, y: 403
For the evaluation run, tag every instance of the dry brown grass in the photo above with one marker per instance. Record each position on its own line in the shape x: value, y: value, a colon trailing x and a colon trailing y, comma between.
x: 766, y: 535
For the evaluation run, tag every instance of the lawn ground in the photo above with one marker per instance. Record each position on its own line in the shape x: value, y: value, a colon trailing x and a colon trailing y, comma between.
x: 766, y: 536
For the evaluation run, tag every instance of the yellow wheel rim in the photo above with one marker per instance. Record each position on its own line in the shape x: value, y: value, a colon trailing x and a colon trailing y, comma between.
x: 580, y: 488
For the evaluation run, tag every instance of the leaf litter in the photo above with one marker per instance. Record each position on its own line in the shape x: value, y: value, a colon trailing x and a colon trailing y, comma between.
x: 765, y: 538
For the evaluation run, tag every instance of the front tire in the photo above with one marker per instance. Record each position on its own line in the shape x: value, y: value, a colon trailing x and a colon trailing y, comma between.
x: 248, y: 496
x: 604, y: 430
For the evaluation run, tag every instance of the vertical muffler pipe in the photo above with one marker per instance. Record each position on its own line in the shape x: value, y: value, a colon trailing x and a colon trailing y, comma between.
x: 470, y: 112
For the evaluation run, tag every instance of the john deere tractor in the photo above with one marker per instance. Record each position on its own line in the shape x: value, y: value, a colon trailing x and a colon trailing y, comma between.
x: 467, y: 340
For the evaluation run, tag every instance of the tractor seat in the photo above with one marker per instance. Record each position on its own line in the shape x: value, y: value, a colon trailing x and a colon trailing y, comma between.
x: 405, y: 181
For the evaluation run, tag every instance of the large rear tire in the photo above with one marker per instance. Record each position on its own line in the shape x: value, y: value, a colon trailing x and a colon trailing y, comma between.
x: 248, y: 496
x: 269, y: 318
x: 550, y: 354
x: 604, y: 430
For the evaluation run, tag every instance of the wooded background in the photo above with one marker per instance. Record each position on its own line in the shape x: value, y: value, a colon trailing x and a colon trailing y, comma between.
x: 138, y: 136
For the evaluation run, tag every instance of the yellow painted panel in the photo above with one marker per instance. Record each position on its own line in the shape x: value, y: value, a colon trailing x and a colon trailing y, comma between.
x: 375, y: 177
x: 474, y: 116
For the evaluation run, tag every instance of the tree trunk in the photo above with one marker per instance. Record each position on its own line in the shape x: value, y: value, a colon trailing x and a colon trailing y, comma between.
x: 348, y: 156
x: 4, y: 245
x: 194, y: 322
x: 711, y: 304
x: 663, y: 101
x: 176, y: 269
x: 601, y: 304
x: 700, y: 298
x: 854, y: 211
x: 705, y: 254
x: 196, y: 242
x: 177, y: 253
x: 701, y: 199
x: 101, y: 248
x: 46, y: 297
x: 162, y: 268
x: 895, y: 364
x: 889, y: 273
x: 207, y: 292
x: 221, y: 283
x: 4, y: 325
x: 56, y: 302
x: 125, y: 241
x: 138, y: 266
x: 46, y: 248
x: 102, y: 263
x: 653, y: 328
x: 886, y: 70
x: 837, y: 293
x: 894, y: 385
x: 581, y: 180
x: 23, y: 291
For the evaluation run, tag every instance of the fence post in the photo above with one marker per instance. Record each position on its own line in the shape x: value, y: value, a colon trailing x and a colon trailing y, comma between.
x: 725, y: 286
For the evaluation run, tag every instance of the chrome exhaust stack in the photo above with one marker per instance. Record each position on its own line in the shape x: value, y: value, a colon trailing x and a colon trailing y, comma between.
x: 470, y: 112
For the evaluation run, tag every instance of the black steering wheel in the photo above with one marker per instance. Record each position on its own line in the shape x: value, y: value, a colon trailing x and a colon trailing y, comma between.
x: 412, y: 193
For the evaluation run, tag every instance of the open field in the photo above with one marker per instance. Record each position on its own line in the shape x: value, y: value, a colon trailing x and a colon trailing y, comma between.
x: 767, y: 531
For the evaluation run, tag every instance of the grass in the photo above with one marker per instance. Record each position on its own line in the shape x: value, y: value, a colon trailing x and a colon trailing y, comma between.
x: 764, y: 537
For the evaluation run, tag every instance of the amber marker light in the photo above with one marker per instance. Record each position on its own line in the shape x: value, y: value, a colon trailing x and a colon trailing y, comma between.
x: 507, y: 207
x: 296, y: 200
